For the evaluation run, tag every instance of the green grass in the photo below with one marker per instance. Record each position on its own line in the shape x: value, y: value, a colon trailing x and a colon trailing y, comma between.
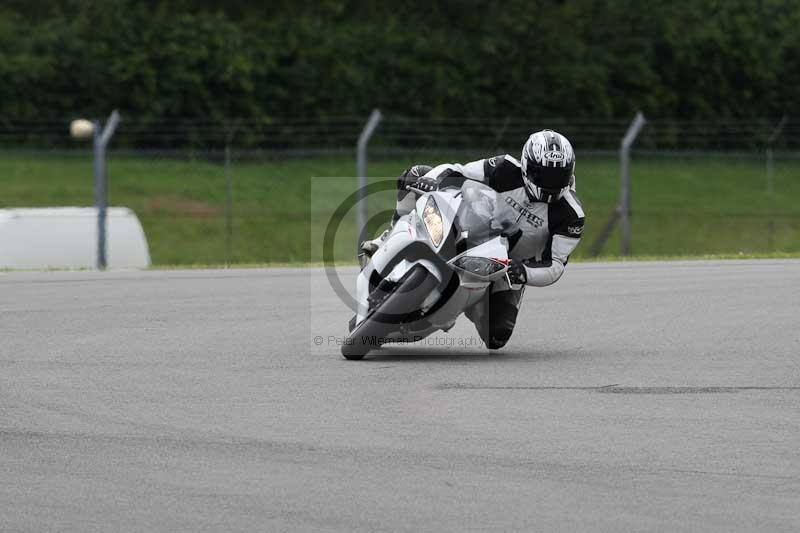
x: 683, y: 207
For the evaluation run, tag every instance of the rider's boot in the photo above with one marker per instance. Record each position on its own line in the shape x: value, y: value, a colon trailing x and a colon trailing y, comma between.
x: 369, y: 247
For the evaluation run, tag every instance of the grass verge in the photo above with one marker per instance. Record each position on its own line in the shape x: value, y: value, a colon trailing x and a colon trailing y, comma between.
x: 682, y: 207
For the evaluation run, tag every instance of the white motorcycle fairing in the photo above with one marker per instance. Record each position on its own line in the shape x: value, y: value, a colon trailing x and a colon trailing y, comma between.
x: 462, y: 278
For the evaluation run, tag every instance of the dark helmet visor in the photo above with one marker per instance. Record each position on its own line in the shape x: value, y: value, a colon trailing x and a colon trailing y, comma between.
x: 550, y: 178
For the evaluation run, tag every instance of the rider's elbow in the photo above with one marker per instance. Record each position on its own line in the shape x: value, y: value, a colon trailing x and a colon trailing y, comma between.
x: 544, y: 276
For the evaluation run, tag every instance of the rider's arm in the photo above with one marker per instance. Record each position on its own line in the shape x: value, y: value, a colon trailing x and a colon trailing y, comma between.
x: 547, y: 273
x: 501, y: 173
x: 566, y: 236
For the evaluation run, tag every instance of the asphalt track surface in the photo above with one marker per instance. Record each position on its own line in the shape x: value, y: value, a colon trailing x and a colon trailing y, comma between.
x: 643, y: 396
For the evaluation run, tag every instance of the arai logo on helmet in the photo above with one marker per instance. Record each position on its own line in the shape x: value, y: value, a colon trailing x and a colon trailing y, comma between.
x: 553, y: 156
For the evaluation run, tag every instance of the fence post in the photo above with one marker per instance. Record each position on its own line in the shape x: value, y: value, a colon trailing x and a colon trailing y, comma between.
x: 772, y: 138
x: 361, y: 164
x: 623, y: 209
x: 101, y: 139
x: 770, y: 180
x: 230, y: 132
x: 228, y: 205
x: 625, y: 176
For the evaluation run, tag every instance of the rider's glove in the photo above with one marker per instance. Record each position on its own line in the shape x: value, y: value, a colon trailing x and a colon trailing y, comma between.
x: 517, y: 274
x: 426, y: 183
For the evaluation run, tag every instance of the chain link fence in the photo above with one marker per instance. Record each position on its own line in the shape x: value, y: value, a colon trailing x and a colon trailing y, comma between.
x: 239, y: 191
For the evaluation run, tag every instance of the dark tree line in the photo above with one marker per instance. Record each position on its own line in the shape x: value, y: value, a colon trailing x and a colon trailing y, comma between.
x: 593, y: 59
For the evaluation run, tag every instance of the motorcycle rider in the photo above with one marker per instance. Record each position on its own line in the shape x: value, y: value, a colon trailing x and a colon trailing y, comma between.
x: 541, y: 189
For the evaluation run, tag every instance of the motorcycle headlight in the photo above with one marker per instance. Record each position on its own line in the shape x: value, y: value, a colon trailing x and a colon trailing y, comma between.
x: 480, y: 266
x: 433, y: 221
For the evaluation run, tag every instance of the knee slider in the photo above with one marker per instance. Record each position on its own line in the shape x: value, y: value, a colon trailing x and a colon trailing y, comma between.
x: 504, y: 318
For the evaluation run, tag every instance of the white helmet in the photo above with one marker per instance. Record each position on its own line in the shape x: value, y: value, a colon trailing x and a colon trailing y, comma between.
x: 548, y: 164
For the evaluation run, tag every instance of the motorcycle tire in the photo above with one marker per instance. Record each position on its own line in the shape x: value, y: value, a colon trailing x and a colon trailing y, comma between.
x: 405, y: 299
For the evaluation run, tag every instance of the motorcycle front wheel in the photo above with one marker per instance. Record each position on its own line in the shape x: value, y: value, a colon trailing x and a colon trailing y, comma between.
x: 404, y: 300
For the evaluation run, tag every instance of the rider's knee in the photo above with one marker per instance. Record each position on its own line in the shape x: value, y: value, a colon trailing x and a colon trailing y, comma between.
x: 493, y: 343
x: 500, y: 334
x: 503, y: 318
x: 495, y: 329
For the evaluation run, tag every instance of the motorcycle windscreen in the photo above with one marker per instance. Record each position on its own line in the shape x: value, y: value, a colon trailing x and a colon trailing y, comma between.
x: 482, y: 214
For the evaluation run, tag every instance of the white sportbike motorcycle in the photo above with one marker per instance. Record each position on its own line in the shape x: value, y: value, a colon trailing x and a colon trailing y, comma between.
x: 436, y: 262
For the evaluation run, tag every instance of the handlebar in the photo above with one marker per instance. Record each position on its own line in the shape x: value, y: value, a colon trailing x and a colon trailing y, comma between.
x: 414, y: 189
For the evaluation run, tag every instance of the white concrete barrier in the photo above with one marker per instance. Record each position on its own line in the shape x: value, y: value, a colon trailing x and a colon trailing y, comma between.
x: 66, y: 237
